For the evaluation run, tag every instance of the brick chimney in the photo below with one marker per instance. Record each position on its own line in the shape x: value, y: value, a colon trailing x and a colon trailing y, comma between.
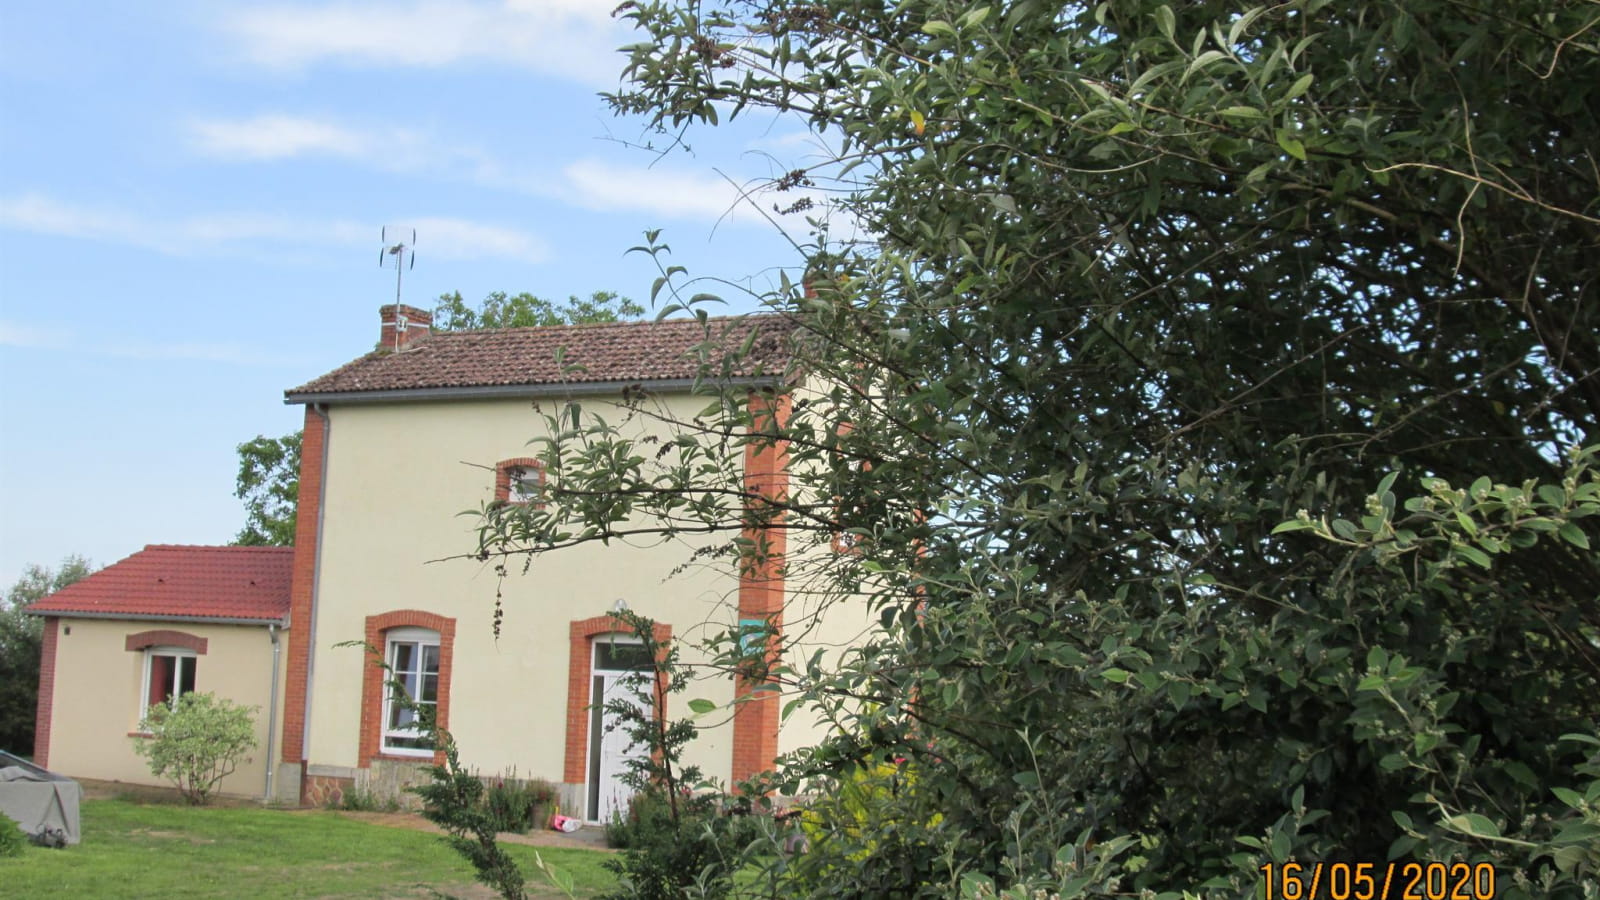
x: 402, y: 326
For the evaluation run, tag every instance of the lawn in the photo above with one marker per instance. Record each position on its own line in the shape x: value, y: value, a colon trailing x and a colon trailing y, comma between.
x: 133, y: 849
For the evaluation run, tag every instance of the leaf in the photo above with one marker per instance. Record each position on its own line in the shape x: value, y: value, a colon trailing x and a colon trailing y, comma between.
x: 1473, y: 824
x: 1577, y: 833
x: 918, y: 123
x: 1166, y: 21
x: 1574, y: 535
x: 1292, y: 525
x: 1281, y: 845
x: 700, y: 706
x: 1200, y: 62
x: 1178, y: 692
x: 1300, y: 86
x: 1243, y: 112
x: 1115, y: 675
x: 973, y: 18
x: 1474, y: 555
x: 1291, y: 145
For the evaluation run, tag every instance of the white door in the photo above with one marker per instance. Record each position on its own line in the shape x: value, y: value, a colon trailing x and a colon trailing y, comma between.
x: 615, y: 660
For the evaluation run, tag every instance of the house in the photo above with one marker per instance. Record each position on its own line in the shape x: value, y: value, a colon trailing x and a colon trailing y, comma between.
x: 397, y: 445
x: 163, y: 622
x: 402, y: 447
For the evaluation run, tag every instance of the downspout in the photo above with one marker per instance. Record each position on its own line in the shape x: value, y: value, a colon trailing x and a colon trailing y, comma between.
x: 272, y: 710
x: 321, y: 409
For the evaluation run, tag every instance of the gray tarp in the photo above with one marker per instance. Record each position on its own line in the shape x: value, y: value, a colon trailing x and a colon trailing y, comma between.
x: 37, y: 798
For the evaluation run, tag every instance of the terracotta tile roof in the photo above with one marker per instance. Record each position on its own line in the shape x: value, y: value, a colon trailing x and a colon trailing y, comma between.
x: 611, y: 352
x: 183, y: 581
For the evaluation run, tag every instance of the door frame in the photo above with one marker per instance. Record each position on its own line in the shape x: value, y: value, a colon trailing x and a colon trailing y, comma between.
x: 593, y: 781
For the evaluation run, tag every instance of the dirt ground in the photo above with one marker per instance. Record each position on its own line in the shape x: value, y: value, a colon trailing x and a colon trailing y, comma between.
x: 587, y: 838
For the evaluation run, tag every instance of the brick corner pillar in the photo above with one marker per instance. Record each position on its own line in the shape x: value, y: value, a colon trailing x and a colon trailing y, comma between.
x: 761, y: 579
x: 47, y: 692
x: 302, y: 587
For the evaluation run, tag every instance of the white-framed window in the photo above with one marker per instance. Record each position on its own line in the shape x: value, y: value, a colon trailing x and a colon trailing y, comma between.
x: 519, y: 481
x: 525, y: 484
x: 413, y: 658
x: 169, y: 673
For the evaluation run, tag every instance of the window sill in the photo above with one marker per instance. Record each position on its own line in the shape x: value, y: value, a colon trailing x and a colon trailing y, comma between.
x: 431, y: 757
x: 394, y: 753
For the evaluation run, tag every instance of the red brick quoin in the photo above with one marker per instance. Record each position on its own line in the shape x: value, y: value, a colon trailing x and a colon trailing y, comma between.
x: 47, y: 693
x: 372, y: 678
x: 761, y: 583
x: 580, y: 668
x: 302, y: 581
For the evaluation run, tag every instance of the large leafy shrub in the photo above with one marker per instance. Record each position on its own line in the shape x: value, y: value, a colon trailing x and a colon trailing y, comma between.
x: 1142, y: 281
x: 196, y: 742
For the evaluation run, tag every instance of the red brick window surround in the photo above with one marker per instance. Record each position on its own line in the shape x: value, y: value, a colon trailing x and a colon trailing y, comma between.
x: 170, y: 666
x: 580, y: 669
x: 381, y: 652
x: 519, y: 481
x: 144, y: 640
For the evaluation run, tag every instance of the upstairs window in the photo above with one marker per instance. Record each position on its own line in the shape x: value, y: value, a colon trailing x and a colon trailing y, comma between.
x: 519, y: 481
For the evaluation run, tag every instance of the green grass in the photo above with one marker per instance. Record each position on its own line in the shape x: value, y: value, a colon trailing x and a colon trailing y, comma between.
x: 132, y: 849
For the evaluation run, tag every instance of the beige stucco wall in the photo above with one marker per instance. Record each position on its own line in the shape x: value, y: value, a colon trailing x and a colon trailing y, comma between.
x: 397, y: 480
x: 97, y: 696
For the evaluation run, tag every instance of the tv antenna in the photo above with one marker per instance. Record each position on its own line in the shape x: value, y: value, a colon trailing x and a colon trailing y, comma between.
x: 399, y: 254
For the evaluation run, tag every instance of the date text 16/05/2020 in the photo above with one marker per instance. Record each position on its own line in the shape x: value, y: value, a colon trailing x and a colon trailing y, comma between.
x: 1378, y: 881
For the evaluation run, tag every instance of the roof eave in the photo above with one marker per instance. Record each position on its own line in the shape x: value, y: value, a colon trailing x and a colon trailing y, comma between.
x: 523, y: 391
x: 281, y: 621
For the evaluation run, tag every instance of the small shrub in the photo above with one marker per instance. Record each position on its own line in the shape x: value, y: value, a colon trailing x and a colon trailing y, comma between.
x: 453, y: 800
x: 358, y: 800
x: 12, y: 837
x: 519, y: 805
x: 690, y: 855
x: 196, y: 742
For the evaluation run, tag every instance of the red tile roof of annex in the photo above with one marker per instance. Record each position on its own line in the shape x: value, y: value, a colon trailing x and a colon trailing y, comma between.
x: 629, y: 352
x: 177, y: 581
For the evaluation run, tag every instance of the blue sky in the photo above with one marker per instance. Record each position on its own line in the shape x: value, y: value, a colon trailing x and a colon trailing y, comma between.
x: 191, y: 196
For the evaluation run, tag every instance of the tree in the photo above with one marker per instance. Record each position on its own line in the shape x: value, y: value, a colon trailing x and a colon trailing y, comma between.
x: 269, y: 484
x: 196, y: 742
x: 1203, y: 416
x: 269, y: 468
x: 498, y: 310
x: 20, y: 638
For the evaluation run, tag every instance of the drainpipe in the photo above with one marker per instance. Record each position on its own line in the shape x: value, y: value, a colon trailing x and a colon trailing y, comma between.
x: 272, y: 709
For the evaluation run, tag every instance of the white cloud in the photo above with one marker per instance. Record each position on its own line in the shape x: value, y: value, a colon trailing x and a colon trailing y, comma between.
x: 274, y: 137
x: 603, y: 186
x: 253, y: 234
x: 588, y: 183
x: 659, y: 191
x: 13, y: 334
x: 457, y: 239
x: 574, y: 39
x: 269, y: 137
